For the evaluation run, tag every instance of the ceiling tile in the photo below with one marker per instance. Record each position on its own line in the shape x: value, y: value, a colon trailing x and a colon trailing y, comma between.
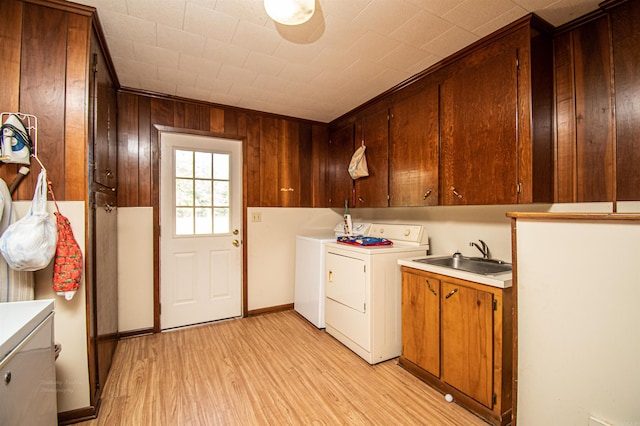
x: 128, y: 27
x: 471, y: 14
x: 262, y: 63
x: 225, y: 53
x: 155, y: 55
x: 255, y: 37
x: 209, y: 23
x: 236, y: 75
x: 179, y: 77
x: 180, y: 41
x: 167, y: 12
x: 450, y: 42
x: 199, y: 65
x: 420, y: 29
x: 372, y: 46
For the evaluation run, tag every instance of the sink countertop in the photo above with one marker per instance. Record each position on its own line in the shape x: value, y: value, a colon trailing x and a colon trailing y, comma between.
x: 18, y: 319
x: 501, y: 280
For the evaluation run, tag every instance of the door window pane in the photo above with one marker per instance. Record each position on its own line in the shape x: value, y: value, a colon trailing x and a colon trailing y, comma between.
x: 203, y: 193
x: 184, y: 221
x: 221, y: 192
x: 203, y: 165
x: 203, y: 221
x: 221, y: 166
x: 184, y: 192
x: 221, y: 220
x: 184, y: 163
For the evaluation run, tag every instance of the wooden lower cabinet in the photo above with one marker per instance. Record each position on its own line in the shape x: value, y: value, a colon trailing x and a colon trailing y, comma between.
x: 456, y: 336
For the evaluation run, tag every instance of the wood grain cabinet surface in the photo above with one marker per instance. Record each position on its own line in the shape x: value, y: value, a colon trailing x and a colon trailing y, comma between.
x: 457, y: 337
x: 413, y: 149
x: 340, y: 184
x: 373, y: 131
x: 495, y: 121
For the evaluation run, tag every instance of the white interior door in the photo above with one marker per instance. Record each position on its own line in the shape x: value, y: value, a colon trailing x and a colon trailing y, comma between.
x: 200, y: 229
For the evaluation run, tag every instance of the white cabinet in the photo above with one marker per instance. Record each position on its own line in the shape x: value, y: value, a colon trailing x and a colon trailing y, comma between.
x: 28, y: 388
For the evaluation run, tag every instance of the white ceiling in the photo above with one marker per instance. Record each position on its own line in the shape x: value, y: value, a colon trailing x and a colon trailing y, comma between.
x: 230, y: 52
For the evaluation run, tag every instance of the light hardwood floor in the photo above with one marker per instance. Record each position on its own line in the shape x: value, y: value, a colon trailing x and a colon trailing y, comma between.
x: 273, y: 369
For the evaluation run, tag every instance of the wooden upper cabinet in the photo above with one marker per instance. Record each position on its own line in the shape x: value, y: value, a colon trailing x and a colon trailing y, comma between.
x: 413, y: 150
x: 373, y: 132
x: 340, y: 184
x: 584, y: 126
x: 626, y: 60
x: 490, y: 151
x: 103, y: 111
x: 285, y: 163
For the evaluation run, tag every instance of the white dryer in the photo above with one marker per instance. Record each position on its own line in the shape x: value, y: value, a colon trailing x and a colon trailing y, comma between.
x: 309, y: 271
x: 363, y: 297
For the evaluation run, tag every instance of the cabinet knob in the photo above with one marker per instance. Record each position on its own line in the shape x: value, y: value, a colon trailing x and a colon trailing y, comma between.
x: 426, y: 195
x: 7, y: 377
x: 456, y: 193
x: 361, y: 199
x: 109, y: 173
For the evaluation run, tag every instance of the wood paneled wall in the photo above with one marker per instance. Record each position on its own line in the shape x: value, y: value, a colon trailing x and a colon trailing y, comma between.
x: 44, y: 53
x: 278, y: 151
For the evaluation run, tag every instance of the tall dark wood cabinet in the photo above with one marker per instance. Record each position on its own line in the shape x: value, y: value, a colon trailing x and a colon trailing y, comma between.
x: 372, y: 131
x: 101, y: 263
x: 340, y: 184
x: 584, y: 119
x: 413, y: 149
x: 495, y: 120
x: 625, y: 36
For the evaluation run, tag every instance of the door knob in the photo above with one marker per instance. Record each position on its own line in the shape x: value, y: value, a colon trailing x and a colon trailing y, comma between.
x: 235, y: 232
x: 236, y: 243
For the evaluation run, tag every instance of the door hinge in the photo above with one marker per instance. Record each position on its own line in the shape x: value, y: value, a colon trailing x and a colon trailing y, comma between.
x: 519, y: 187
x: 94, y: 66
x: 364, y: 267
x: 495, y: 305
x: 495, y: 399
x: 159, y: 308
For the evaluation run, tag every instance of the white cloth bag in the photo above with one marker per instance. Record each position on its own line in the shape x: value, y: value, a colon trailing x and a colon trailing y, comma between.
x: 30, y: 243
x: 358, y: 165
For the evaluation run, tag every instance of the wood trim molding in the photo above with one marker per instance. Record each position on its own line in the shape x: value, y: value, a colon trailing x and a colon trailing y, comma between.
x: 135, y: 333
x: 79, y: 415
x: 64, y: 5
x: 575, y: 216
x: 269, y: 310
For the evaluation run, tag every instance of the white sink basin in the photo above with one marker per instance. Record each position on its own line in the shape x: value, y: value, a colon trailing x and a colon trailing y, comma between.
x: 18, y: 319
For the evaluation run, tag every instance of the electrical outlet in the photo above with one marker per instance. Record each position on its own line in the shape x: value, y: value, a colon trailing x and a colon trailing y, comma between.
x: 256, y: 217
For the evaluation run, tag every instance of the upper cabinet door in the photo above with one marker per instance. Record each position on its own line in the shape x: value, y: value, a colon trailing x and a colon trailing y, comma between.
x: 373, y: 132
x: 340, y: 184
x: 413, y: 150
x: 478, y: 106
x: 626, y: 59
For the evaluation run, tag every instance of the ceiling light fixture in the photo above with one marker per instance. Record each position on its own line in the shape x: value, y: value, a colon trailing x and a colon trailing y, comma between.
x: 290, y: 12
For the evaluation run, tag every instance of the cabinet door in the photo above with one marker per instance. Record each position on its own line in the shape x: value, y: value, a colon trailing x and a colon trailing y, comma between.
x: 626, y: 59
x: 421, y: 321
x: 373, y: 132
x: 104, y: 105
x: 478, y: 106
x: 340, y: 151
x: 413, y: 150
x: 467, y: 341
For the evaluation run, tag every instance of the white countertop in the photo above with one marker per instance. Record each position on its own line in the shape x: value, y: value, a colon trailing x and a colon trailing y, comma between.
x: 18, y: 319
x: 501, y: 280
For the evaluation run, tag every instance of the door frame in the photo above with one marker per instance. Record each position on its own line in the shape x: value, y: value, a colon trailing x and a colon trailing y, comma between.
x: 155, y: 202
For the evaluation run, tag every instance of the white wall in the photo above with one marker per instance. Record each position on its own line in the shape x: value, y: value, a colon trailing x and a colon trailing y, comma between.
x: 578, y: 317
x: 70, y: 318
x: 135, y: 268
x: 271, y: 249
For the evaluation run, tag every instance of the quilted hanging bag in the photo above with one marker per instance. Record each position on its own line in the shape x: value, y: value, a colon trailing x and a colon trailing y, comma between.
x: 67, y: 263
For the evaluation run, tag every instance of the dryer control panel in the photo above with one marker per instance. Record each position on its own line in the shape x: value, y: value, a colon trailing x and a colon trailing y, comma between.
x: 400, y: 233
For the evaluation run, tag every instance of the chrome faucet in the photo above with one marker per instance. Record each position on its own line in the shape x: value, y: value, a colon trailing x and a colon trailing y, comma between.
x: 484, y: 249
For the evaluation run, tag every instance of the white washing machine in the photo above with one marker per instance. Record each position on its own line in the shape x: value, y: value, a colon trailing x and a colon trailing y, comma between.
x: 309, y: 273
x: 363, y: 293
